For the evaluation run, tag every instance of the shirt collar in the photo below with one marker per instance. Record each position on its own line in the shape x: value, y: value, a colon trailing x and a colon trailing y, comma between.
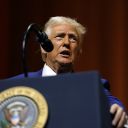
x: 47, y: 71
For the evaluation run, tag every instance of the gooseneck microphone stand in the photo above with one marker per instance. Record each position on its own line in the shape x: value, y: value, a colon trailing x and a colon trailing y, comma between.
x: 42, y: 38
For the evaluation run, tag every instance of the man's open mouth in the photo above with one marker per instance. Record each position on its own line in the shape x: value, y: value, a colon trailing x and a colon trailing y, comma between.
x: 65, y: 53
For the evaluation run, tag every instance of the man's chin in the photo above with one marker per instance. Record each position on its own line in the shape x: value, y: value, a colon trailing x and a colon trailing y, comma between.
x: 65, y: 63
x: 65, y: 67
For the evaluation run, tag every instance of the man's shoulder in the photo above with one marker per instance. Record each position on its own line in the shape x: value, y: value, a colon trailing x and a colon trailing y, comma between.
x: 105, y: 83
x: 30, y: 75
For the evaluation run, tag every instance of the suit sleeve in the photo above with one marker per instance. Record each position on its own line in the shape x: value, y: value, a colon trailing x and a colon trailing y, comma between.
x: 111, y: 99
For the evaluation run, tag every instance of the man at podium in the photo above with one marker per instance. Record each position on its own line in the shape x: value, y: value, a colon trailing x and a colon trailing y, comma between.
x: 67, y: 35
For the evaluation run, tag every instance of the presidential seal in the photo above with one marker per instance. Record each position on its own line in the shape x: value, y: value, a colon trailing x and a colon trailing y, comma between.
x: 22, y: 107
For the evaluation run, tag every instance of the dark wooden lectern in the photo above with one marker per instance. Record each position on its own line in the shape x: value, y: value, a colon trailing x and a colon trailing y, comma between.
x: 74, y: 100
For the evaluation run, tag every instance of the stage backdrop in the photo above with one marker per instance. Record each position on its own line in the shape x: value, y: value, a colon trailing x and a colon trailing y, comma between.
x: 105, y: 45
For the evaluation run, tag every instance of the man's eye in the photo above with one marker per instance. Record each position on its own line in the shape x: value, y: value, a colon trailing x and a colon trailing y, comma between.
x: 73, y: 38
x: 59, y: 37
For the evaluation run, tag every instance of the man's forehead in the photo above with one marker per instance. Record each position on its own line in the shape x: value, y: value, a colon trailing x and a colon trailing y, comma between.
x: 68, y: 33
x: 64, y: 29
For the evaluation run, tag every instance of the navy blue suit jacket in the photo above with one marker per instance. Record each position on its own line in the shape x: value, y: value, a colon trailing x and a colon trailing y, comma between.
x: 105, y: 83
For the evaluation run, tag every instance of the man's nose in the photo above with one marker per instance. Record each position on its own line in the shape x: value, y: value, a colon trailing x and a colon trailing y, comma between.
x: 66, y: 40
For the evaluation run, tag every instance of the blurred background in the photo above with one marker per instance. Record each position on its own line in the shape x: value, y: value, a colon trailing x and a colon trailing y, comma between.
x: 105, y: 45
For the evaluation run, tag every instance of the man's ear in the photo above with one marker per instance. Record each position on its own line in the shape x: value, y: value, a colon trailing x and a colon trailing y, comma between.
x: 80, y: 51
x: 43, y: 53
x: 42, y: 50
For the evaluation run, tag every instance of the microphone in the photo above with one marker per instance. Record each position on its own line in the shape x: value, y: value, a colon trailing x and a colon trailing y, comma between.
x: 42, y: 37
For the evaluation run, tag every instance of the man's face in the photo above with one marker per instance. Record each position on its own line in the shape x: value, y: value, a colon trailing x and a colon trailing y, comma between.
x: 65, y: 40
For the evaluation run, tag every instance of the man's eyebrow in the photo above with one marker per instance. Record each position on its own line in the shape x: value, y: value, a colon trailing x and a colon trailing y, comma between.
x: 60, y: 34
x: 69, y: 33
x: 73, y: 34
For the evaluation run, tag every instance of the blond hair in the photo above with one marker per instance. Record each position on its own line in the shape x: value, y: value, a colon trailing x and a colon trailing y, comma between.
x: 57, y: 20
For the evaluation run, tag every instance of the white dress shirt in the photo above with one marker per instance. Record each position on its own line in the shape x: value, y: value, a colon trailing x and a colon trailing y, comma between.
x: 47, y: 71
